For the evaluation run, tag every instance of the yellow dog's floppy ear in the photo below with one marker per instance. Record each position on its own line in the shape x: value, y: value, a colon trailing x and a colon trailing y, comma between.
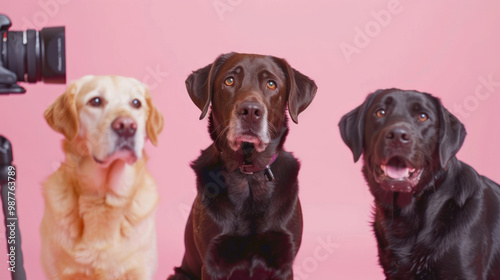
x: 61, y: 115
x: 154, y: 122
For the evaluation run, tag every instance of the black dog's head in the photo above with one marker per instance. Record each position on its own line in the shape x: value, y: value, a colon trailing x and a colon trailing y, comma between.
x: 249, y: 94
x: 405, y: 137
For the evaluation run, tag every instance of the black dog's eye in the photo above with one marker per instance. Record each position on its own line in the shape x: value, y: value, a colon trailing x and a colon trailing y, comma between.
x: 136, y: 103
x: 271, y: 85
x: 95, y: 102
x: 229, y: 81
x: 423, y: 117
x: 380, y: 113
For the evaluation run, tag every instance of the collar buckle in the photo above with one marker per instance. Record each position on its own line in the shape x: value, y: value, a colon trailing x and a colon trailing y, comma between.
x: 250, y: 169
x: 244, y: 169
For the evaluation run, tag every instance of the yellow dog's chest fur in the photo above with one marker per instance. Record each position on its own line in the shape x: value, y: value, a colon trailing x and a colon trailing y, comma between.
x: 99, y: 231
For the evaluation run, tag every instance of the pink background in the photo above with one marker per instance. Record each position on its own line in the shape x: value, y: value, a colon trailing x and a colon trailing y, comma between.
x: 440, y: 47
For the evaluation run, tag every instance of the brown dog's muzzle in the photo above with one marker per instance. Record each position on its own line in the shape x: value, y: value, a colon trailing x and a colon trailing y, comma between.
x: 249, y: 122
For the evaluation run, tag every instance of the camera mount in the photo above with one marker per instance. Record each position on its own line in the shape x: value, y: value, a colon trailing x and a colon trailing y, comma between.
x: 7, y: 193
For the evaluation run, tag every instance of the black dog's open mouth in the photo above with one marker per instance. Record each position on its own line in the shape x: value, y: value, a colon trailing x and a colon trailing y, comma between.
x: 397, y: 175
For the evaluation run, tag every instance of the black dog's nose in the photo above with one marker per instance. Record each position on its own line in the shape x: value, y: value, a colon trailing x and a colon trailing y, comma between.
x: 398, y: 134
x: 124, y: 126
x: 252, y: 111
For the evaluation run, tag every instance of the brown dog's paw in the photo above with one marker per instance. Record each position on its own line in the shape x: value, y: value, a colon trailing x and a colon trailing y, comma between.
x: 277, y: 249
x: 226, y: 253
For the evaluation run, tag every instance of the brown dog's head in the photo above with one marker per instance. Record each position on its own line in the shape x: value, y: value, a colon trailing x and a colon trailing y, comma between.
x: 249, y: 94
x: 106, y: 118
x: 405, y: 138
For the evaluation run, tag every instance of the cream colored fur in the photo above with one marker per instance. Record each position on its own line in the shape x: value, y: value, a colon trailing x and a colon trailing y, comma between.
x: 99, y: 219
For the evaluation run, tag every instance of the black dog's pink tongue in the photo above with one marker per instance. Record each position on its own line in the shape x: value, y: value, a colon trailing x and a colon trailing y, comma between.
x: 396, y: 172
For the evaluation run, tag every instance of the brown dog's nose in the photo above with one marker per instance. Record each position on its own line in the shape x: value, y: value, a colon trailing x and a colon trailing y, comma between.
x: 251, y: 111
x: 124, y: 126
x: 399, y: 134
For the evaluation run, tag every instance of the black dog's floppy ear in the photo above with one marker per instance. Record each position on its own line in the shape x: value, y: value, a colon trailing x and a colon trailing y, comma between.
x: 451, y: 135
x: 352, y: 126
x: 351, y: 129
x: 301, y: 89
x: 199, y: 84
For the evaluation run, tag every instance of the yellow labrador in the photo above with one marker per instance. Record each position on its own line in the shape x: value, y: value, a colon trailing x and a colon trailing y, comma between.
x: 99, y: 205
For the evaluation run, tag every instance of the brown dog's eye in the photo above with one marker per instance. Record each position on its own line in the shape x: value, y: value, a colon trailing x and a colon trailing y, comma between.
x: 136, y: 103
x: 271, y: 85
x: 423, y: 117
x: 229, y: 81
x: 95, y: 102
x: 380, y: 113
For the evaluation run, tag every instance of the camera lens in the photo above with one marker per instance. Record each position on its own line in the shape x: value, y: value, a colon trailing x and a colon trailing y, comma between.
x: 35, y: 55
x: 53, y: 55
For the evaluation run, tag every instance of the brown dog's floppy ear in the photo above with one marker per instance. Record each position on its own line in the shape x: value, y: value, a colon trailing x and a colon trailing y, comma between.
x: 352, y: 126
x: 451, y: 135
x: 154, y: 122
x: 61, y: 114
x: 301, y: 89
x: 199, y: 83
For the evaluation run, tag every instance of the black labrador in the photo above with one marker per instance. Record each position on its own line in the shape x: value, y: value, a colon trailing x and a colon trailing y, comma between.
x: 435, y: 217
x: 246, y: 221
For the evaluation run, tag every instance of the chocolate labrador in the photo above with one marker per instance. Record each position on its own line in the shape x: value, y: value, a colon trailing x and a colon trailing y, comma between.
x: 246, y: 221
x: 435, y: 216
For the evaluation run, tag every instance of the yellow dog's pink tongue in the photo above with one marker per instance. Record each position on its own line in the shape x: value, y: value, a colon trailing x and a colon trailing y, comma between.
x: 395, y: 172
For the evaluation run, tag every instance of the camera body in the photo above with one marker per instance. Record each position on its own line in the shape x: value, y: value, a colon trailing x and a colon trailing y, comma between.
x: 30, y: 56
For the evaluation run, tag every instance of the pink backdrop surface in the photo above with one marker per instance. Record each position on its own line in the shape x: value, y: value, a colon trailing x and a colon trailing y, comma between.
x: 350, y: 48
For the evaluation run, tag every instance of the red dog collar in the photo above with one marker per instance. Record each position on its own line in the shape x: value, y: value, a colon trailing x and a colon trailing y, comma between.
x: 251, y: 169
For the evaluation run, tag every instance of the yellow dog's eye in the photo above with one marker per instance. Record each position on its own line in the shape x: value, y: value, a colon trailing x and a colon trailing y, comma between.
x: 229, y: 81
x: 380, y: 113
x: 136, y: 103
x: 423, y: 117
x: 95, y: 102
x: 271, y: 85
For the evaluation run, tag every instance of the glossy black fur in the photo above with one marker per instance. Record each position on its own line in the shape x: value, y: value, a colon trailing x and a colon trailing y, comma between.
x: 243, y: 226
x: 449, y: 227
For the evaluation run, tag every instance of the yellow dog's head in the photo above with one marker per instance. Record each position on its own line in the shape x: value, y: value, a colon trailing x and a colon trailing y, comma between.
x: 106, y: 117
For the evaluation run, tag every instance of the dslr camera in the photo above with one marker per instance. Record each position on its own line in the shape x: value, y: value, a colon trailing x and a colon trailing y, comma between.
x: 30, y: 56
